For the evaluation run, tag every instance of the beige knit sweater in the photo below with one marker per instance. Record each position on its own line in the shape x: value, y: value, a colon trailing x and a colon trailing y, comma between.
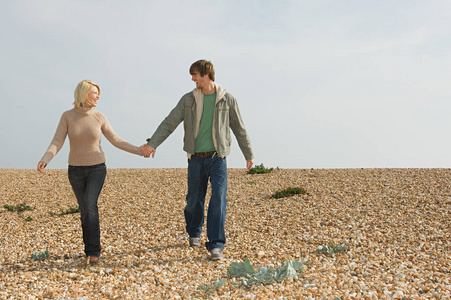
x: 84, y: 126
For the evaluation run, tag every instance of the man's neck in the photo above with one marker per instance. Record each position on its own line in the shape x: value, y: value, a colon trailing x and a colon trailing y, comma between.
x: 209, y: 89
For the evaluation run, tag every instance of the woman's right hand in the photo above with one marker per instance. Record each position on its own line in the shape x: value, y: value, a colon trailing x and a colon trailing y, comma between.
x: 41, y: 166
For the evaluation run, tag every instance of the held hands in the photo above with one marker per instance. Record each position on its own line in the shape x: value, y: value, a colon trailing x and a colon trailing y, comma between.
x: 146, y: 151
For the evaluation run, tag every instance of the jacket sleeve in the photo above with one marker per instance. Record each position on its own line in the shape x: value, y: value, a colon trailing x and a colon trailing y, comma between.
x: 115, y: 140
x: 58, y: 140
x: 169, y: 124
x: 237, y: 126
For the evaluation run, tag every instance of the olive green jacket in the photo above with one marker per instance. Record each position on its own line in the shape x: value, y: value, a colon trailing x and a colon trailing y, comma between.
x: 189, y: 110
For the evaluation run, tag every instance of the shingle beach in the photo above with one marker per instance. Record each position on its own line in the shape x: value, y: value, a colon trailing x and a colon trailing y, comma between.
x: 394, y: 223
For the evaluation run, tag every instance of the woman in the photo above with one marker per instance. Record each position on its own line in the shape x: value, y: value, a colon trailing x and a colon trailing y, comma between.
x: 87, y: 170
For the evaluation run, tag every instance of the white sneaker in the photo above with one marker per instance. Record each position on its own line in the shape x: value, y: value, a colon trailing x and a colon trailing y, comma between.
x: 194, y: 241
x: 217, y: 254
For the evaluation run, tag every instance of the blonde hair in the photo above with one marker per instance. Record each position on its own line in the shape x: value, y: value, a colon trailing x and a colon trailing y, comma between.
x: 81, y: 92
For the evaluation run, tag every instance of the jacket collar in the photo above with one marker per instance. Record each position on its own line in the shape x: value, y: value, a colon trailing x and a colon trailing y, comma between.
x: 198, y: 95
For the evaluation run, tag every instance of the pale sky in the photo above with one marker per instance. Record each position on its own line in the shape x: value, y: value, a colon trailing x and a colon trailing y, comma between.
x: 320, y: 84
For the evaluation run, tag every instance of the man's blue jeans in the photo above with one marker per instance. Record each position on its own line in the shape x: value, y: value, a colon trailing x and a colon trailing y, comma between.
x: 199, y: 171
x: 87, y: 182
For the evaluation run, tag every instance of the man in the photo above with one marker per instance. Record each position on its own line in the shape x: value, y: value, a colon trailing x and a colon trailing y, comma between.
x: 208, y: 113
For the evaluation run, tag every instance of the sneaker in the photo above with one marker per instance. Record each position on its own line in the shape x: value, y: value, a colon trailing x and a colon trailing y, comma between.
x: 194, y: 241
x: 217, y: 254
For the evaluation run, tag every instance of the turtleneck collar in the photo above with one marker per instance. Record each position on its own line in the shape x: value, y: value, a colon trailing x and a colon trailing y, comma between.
x: 84, y: 110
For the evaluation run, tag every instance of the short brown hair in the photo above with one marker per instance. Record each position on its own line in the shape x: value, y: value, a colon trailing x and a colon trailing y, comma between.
x: 204, y: 67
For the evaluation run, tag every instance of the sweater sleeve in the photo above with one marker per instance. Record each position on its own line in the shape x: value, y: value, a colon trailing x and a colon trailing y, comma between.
x: 58, y: 140
x: 237, y: 126
x: 115, y: 140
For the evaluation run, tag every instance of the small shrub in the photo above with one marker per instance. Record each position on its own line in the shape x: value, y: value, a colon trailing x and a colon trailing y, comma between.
x: 289, y: 192
x: 240, y: 269
x: 40, y: 255
x: 260, y: 170
x: 331, y: 249
x: 250, y: 275
x: 210, y: 289
x: 19, y: 208
x: 9, y: 207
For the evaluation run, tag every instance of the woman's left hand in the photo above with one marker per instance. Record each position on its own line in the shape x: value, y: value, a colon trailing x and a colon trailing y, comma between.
x: 41, y: 166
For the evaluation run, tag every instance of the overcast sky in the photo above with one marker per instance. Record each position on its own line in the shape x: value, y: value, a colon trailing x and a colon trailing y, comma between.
x: 320, y: 84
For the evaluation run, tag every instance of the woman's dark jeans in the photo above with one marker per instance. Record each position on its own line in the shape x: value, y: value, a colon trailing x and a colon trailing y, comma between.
x: 87, y: 182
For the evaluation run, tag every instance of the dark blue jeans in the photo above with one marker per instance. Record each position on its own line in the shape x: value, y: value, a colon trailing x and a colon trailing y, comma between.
x: 87, y: 182
x: 199, y: 171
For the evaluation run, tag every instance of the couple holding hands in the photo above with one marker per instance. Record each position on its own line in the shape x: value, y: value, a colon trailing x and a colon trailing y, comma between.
x: 208, y: 113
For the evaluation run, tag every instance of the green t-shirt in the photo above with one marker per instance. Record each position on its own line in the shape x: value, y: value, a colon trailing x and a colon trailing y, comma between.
x: 204, y: 140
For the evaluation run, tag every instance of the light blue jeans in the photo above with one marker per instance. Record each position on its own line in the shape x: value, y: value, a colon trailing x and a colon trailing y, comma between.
x: 200, y: 170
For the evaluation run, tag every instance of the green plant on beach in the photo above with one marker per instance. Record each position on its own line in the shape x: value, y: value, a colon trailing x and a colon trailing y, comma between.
x: 249, y: 275
x: 331, y: 249
x: 70, y: 210
x: 260, y: 170
x: 289, y: 192
x: 40, y: 255
x: 19, y: 208
x: 210, y: 289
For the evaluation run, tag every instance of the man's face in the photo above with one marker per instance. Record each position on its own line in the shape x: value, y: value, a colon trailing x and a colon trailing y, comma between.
x: 200, y: 81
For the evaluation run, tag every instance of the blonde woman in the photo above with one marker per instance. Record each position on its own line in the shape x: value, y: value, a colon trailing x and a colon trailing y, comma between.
x: 87, y: 170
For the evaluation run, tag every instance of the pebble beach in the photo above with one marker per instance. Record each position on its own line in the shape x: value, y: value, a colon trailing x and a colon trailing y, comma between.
x: 395, y: 226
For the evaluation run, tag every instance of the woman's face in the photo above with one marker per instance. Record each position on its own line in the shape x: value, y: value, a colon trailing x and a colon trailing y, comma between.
x: 93, y: 97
